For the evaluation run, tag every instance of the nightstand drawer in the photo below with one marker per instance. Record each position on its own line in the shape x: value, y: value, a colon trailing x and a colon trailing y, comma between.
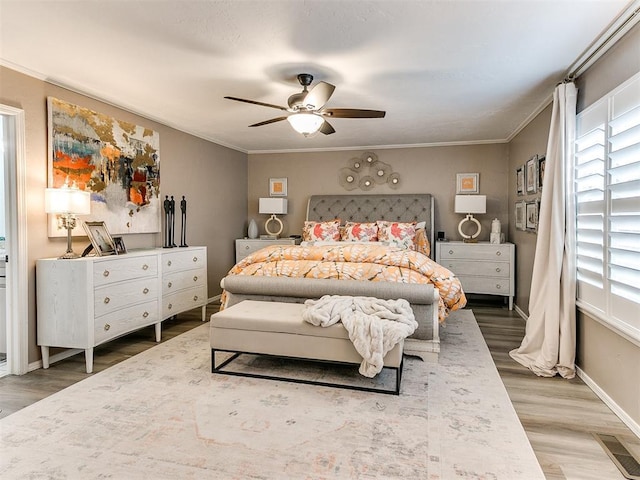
x: 247, y: 246
x: 486, y: 285
x: 485, y: 269
x: 475, y: 251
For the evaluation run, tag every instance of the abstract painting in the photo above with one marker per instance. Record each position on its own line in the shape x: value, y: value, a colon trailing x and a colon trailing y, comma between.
x: 117, y: 161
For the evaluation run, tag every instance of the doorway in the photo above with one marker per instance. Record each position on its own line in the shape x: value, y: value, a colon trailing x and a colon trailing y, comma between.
x: 14, y: 231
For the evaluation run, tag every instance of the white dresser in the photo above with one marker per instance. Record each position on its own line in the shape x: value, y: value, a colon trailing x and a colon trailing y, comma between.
x: 481, y: 267
x: 85, y: 302
x: 247, y: 246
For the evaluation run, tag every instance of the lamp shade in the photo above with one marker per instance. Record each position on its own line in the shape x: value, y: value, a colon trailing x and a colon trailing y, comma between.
x: 67, y: 200
x: 471, y: 204
x: 271, y: 206
x: 305, y: 123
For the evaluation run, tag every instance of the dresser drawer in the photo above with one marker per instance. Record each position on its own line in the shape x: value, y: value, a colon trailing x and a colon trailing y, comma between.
x: 486, y: 269
x: 125, y: 320
x: 183, y: 300
x: 113, y: 297
x: 124, y: 268
x: 488, y: 285
x: 182, y: 260
x: 474, y: 251
x: 185, y: 279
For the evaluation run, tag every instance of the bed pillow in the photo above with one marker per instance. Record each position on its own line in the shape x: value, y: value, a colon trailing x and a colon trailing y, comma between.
x: 400, y: 234
x: 321, y: 230
x: 421, y: 242
x: 360, y: 232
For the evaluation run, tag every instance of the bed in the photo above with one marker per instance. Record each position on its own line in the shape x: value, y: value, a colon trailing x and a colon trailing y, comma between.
x: 387, y: 268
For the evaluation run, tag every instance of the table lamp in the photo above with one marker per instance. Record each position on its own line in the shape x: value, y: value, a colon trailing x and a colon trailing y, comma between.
x: 67, y: 202
x: 470, y: 204
x: 273, y: 207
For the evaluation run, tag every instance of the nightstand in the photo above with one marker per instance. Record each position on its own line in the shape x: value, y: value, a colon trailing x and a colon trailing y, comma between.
x: 246, y: 246
x: 481, y: 267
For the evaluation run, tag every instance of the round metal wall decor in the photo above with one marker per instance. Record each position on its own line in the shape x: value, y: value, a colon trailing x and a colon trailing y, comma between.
x: 366, y: 171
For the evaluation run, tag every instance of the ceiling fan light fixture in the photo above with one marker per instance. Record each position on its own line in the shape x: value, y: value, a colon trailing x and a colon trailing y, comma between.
x: 305, y: 123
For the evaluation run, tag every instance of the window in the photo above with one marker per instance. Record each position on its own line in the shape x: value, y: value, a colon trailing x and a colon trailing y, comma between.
x: 607, y: 186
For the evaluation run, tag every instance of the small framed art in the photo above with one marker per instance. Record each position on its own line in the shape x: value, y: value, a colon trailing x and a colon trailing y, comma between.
x: 532, y: 174
x: 277, y: 187
x: 520, y: 181
x: 541, y: 164
x: 520, y: 216
x: 467, y: 183
x: 532, y: 216
x: 100, y: 238
x: 120, y: 246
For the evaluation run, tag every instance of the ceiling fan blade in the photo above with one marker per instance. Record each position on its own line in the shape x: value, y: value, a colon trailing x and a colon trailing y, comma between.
x: 267, y: 122
x: 318, y: 95
x: 326, y: 128
x: 257, y: 103
x: 352, y: 113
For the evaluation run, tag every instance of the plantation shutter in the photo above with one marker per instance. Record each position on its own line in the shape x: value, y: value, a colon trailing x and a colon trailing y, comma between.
x: 607, y: 182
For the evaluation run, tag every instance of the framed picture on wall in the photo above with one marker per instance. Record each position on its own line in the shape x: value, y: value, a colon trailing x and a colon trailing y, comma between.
x: 532, y: 216
x: 520, y: 216
x: 520, y: 181
x: 541, y: 164
x: 277, y: 187
x: 532, y: 174
x: 467, y: 183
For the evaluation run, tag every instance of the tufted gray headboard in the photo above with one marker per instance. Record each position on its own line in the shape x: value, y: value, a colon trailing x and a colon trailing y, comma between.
x: 369, y: 208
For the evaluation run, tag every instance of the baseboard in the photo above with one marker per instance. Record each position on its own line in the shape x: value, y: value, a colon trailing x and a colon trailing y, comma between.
x: 524, y: 316
x: 56, y: 358
x: 609, y: 402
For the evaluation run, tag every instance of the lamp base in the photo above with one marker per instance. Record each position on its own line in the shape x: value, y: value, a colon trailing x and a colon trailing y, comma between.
x: 69, y: 256
x: 276, y: 220
x: 469, y: 238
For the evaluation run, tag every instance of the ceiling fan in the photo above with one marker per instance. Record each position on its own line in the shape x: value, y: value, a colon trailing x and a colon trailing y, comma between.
x: 307, y: 114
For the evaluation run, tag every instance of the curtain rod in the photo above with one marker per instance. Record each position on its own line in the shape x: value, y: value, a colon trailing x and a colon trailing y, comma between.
x: 621, y: 25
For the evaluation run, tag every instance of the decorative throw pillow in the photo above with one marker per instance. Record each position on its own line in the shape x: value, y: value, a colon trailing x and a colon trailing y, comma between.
x: 421, y: 242
x: 321, y: 230
x: 400, y: 234
x: 360, y: 232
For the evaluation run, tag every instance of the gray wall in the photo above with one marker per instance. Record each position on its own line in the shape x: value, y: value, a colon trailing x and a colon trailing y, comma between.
x: 530, y: 141
x: 610, y: 360
x: 213, y: 178
x: 422, y: 170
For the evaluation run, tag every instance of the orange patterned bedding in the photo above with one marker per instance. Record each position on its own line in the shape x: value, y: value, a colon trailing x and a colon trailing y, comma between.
x: 355, y: 261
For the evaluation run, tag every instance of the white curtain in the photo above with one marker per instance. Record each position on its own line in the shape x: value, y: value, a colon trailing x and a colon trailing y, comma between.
x: 548, y: 347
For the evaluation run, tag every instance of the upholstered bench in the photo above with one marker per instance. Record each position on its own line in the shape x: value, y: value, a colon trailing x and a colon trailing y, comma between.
x: 276, y: 328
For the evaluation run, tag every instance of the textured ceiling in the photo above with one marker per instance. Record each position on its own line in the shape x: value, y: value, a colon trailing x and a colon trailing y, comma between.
x: 444, y: 71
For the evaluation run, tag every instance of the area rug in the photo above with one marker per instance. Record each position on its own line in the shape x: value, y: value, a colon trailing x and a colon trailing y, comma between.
x: 163, y: 415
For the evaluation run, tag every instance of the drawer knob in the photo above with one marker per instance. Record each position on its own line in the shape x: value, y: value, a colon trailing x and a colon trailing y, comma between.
x: 195, y: 298
x: 498, y: 269
x: 145, y: 291
x: 145, y: 314
x: 105, y: 273
x: 107, y: 299
x: 169, y: 285
x: 498, y: 253
x: 106, y: 327
x: 195, y: 259
x: 498, y: 286
x: 450, y: 252
x: 247, y: 247
x: 195, y: 278
x: 170, y: 306
x: 169, y: 263
x: 145, y: 267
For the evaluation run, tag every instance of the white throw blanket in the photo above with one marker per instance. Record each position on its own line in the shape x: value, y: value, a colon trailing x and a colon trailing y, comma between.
x: 375, y: 326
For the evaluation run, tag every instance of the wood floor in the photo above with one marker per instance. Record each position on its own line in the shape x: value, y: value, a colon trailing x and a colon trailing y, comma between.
x: 559, y: 416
